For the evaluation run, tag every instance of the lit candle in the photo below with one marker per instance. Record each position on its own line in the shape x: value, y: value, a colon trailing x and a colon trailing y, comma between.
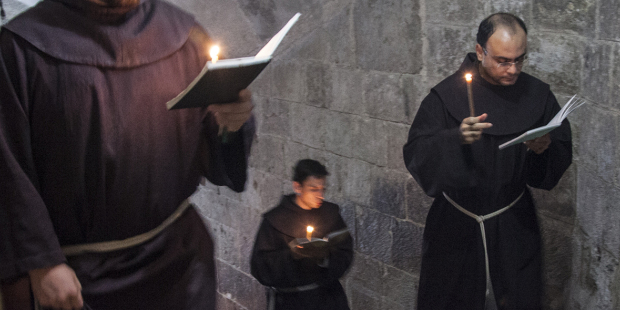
x: 470, y: 97
x: 309, y: 232
x: 213, y: 52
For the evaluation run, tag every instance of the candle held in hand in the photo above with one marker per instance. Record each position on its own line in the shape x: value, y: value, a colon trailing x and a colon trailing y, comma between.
x: 470, y: 96
x: 213, y: 52
x: 309, y: 231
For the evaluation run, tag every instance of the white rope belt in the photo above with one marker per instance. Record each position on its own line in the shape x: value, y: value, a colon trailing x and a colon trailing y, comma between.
x: 109, y: 246
x: 480, y: 219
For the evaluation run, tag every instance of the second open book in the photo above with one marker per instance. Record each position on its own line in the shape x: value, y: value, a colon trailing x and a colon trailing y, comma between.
x: 555, y: 122
x: 221, y: 81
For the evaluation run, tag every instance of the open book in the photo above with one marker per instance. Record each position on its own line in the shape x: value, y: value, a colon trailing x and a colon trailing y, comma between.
x: 220, y: 82
x: 317, y: 246
x: 569, y: 107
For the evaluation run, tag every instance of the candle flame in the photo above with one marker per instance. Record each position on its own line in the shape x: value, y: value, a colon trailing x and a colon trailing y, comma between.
x: 468, y: 77
x: 310, y: 229
x: 213, y: 52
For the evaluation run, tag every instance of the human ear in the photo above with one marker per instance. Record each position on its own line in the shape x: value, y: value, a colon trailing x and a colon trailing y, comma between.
x: 479, y: 52
x: 297, y: 188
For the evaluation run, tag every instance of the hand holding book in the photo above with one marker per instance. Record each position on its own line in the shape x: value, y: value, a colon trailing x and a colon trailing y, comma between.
x: 540, y: 144
x: 317, y: 248
x: 221, y: 80
x: 232, y: 116
x: 532, y: 134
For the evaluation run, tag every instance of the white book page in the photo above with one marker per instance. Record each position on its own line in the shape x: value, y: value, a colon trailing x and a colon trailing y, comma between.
x: 569, y: 107
x: 267, y: 50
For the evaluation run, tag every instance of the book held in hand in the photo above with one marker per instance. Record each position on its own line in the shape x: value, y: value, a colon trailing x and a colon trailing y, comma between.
x: 221, y: 81
x: 316, y: 247
x: 569, y: 107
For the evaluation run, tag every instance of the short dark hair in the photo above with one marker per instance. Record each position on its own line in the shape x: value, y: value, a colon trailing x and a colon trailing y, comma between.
x: 306, y: 168
x: 490, y: 24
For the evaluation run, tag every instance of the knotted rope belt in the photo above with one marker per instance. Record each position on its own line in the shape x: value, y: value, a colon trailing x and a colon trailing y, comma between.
x: 480, y: 219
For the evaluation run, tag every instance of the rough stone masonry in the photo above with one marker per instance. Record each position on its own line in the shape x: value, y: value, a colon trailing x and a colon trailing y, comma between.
x: 343, y: 89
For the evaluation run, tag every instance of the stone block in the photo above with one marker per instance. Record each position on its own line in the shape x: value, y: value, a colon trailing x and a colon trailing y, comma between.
x: 598, y: 270
x: 309, y: 125
x: 318, y: 86
x: 392, y: 97
x: 267, y: 17
x: 347, y: 211
x: 273, y: 117
x: 560, y: 202
x: 521, y: 8
x: 557, y: 260
x: 418, y: 203
x: 366, y: 272
x: 224, y: 238
x: 263, y: 191
x: 614, y: 289
x: 615, y: 79
x: 245, y: 243
x: 347, y: 91
x: 598, y: 148
x: 388, y: 35
x: 407, y: 246
x: 447, y: 48
x: 240, y: 287
x: 575, y: 17
x: 608, y: 20
x: 236, y: 39
x: 224, y: 302
x: 250, y: 293
x: 596, y: 79
x: 340, y: 133
x: 388, y: 192
x: 447, y: 12
x: 374, y: 234
x: 597, y: 211
x: 295, y: 151
x: 268, y: 154
x: 211, y: 205
x: 332, y: 41
x: 357, y: 178
x: 226, y: 278
x: 556, y: 60
x: 337, y: 180
x: 356, y: 137
x: 288, y: 80
x: 396, y: 135
x: 362, y: 299
x: 262, y: 85
x: 400, y: 290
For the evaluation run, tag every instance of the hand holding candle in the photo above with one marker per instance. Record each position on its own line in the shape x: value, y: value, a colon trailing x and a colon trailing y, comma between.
x: 470, y: 96
x: 309, y: 231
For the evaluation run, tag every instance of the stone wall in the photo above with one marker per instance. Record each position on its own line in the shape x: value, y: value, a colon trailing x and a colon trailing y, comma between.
x: 343, y: 89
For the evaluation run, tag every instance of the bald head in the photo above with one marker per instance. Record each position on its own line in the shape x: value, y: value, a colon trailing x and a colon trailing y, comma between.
x: 505, y: 21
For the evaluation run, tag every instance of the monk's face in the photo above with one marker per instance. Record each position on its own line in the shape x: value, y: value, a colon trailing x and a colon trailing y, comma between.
x: 497, y: 59
x: 310, y: 192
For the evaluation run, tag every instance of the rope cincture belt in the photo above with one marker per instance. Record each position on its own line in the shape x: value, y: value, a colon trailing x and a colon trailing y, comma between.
x: 274, y: 290
x: 109, y: 246
x: 480, y: 219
